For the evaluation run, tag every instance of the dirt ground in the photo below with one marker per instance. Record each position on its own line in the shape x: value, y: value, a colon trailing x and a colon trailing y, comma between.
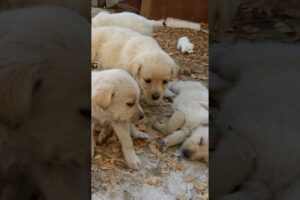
x: 163, y: 175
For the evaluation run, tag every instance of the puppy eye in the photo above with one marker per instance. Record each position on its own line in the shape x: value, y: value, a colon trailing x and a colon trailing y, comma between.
x: 84, y: 112
x: 165, y: 82
x: 147, y: 80
x: 130, y: 104
x: 229, y: 128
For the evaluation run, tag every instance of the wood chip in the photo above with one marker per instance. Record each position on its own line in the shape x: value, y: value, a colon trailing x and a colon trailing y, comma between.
x: 153, y: 180
x: 200, y: 186
x: 189, y: 179
x: 152, y: 146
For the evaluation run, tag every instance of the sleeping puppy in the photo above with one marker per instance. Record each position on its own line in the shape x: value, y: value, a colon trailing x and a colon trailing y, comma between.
x: 115, y: 104
x: 190, y: 112
x: 126, y: 19
x: 140, y: 55
x: 196, y: 146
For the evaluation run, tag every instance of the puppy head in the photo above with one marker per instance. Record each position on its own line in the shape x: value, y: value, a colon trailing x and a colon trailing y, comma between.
x: 188, y: 48
x: 153, y: 70
x: 196, y: 146
x: 118, y: 96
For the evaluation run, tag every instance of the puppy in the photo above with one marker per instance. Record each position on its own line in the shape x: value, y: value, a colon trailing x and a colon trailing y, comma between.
x: 126, y: 19
x: 45, y: 111
x: 185, y: 45
x: 115, y: 103
x: 196, y: 146
x: 257, y: 123
x: 140, y: 55
x: 190, y: 111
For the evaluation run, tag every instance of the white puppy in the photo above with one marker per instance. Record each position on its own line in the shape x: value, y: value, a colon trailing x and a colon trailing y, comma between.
x: 196, y: 146
x: 185, y: 45
x: 126, y: 19
x: 115, y: 104
x: 140, y: 55
x: 190, y: 112
x: 258, y: 124
x: 45, y: 111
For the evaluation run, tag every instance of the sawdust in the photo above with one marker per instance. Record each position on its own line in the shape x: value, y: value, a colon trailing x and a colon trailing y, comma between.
x: 163, y: 175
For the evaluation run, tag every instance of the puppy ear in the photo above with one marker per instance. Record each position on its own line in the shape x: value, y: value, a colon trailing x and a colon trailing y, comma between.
x: 201, y: 141
x: 17, y: 85
x: 135, y: 68
x: 102, y: 97
x: 174, y: 70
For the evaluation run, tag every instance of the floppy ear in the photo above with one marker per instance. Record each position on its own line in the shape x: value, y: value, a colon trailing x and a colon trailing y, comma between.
x: 201, y: 141
x: 174, y: 70
x: 102, y: 97
x: 135, y: 68
x: 17, y: 85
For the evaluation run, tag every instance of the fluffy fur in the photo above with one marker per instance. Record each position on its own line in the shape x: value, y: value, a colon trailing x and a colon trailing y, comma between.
x: 126, y: 19
x: 81, y: 7
x: 196, y: 146
x: 258, y: 126
x: 45, y: 113
x: 140, y: 55
x: 185, y: 45
x: 190, y: 113
x: 115, y: 105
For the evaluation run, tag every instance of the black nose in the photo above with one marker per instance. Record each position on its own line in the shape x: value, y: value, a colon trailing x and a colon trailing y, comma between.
x: 141, y: 116
x: 155, y: 96
x: 186, y: 153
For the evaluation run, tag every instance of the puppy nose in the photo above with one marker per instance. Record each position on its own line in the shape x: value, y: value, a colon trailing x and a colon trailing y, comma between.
x: 155, y: 96
x: 186, y: 153
x: 141, y: 116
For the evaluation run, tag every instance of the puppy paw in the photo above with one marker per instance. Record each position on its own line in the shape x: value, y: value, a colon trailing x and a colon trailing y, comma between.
x: 139, y: 135
x: 133, y: 161
x: 162, y: 145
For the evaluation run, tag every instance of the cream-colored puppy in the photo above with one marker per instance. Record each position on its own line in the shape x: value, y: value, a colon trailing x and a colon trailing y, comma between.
x: 115, y: 103
x: 185, y: 45
x: 196, y: 146
x: 126, y: 19
x: 190, y: 112
x: 140, y: 55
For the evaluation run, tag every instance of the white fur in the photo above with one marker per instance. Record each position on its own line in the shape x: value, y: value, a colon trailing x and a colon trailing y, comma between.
x: 190, y: 112
x: 141, y: 56
x: 185, y: 45
x: 196, y: 146
x: 126, y: 19
x: 43, y: 134
x: 112, y: 90
x: 258, y: 124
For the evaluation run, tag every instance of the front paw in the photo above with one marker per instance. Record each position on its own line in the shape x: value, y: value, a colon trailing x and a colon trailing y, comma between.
x: 133, y: 161
x: 142, y: 135
x: 163, y: 145
x: 139, y: 135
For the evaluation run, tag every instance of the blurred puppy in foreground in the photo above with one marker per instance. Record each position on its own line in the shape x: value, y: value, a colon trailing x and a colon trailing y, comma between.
x: 257, y: 156
x: 189, y: 120
x: 115, y: 106
x: 126, y: 19
x: 141, y: 56
x: 45, y: 111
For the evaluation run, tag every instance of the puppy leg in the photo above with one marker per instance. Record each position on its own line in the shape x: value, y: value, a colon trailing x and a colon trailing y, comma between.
x: 137, y: 134
x: 174, y: 123
x: 123, y: 132
x: 175, y: 138
x: 104, y: 133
